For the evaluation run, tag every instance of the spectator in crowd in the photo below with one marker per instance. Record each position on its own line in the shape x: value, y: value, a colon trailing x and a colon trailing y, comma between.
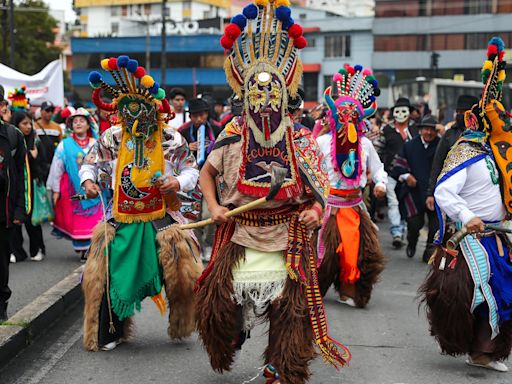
x: 413, y: 169
x: 103, y: 120
x: 393, y: 137
x: 50, y: 134
x: 199, y: 112
x: 218, y: 109
x: 236, y: 108
x: 296, y: 109
x: 23, y: 121
x: 5, y: 111
x: 178, y: 100
x: 464, y: 103
x: 12, y: 194
x: 74, y: 220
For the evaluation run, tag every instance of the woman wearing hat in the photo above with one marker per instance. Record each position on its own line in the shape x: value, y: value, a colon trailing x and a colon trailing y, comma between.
x: 74, y: 219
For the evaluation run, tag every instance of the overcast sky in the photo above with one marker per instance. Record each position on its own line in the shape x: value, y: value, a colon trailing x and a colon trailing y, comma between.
x: 65, y: 5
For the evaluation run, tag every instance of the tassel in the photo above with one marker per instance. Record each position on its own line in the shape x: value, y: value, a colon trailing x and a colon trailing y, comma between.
x: 442, y: 263
x: 160, y: 303
x: 452, y: 263
x: 111, y: 328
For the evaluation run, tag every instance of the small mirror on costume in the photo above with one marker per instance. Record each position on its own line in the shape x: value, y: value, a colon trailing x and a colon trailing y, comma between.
x: 264, y: 78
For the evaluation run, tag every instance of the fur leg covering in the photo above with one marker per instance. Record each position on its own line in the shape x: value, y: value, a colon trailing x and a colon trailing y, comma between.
x: 503, y: 342
x: 179, y: 257
x: 291, y: 345
x: 447, y: 295
x: 329, y: 271
x: 94, y: 282
x: 128, y: 329
x: 371, y: 260
x: 216, y: 312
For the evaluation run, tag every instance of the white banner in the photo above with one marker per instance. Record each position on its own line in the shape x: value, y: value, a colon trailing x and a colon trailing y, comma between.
x: 47, y: 85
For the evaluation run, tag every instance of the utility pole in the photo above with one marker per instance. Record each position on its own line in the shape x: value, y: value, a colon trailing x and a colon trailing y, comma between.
x: 11, y: 31
x: 4, y: 28
x: 163, y: 54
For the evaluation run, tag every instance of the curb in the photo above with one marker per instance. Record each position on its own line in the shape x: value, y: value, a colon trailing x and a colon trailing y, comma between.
x: 33, y: 320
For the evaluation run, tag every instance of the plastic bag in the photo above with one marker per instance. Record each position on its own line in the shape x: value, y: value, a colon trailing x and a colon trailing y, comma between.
x: 42, y: 209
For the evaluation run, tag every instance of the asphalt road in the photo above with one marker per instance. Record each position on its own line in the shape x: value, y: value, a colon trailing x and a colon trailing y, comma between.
x: 389, y: 341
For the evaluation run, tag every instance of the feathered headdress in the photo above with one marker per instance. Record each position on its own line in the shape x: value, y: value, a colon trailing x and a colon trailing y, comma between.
x: 356, y: 89
x: 18, y: 98
x: 131, y: 81
x: 264, y: 33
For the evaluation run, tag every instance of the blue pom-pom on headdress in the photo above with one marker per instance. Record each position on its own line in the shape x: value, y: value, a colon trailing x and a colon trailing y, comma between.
x: 288, y: 23
x: 154, y: 88
x: 132, y: 65
x: 283, y: 13
x: 358, y: 68
x: 372, y: 98
x: 251, y: 11
x: 496, y: 40
x: 122, y: 61
x: 374, y: 83
x: 94, y: 77
x: 239, y: 20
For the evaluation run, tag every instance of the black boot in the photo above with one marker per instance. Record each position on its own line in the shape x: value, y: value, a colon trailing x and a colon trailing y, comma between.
x: 3, y: 312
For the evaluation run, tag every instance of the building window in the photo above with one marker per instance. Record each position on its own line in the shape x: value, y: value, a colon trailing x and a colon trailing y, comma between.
x: 114, y: 28
x: 475, y: 7
x: 124, y: 10
x: 312, y: 42
x: 115, y: 11
x: 147, y: 9
x: 337, y: 46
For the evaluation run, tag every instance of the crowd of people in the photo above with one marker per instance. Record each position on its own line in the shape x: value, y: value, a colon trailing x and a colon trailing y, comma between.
x: 296, y: 197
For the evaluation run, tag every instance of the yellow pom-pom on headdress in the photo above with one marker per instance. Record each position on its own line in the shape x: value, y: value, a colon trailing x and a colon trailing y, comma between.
x: 502, y: 75
x: 104, y: 64
x: 262, y: 3
x: 487, y: 65
x: 147, y: 81
x: 282, y: 3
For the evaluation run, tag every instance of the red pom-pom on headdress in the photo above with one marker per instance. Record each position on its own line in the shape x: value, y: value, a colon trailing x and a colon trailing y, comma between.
x: 300, y: 43
x: 227, y: 42
x: 492, y: 50
x: 295, y: 31
x: 112, y: 64
x: 232, y: 31
x: 139, y: 73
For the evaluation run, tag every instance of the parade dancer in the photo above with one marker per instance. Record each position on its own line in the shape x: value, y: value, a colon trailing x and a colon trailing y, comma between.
x: 138, y: 250
x: 349, y: 253
x: 468, y: 292
x: 263, y: 265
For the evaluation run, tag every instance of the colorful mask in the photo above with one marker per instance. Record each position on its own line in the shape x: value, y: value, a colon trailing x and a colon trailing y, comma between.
x: 356, y: 89
x: 401, y: 114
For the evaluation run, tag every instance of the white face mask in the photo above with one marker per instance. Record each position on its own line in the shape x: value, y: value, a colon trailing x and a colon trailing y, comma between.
x: 401, y: 114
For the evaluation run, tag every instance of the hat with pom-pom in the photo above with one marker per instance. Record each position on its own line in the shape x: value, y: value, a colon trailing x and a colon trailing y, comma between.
x: 18, y: 99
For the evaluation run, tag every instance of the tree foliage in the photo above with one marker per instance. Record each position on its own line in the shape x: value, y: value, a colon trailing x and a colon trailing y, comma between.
x: 34, y: 37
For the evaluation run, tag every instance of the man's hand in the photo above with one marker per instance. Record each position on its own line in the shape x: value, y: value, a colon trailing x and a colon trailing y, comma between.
x: 475, y: 225
x: 169, y: 184
x: 411, y: 181
x: 55, y: 197
x: 379, y: 191
x: 17, y: 222
x: 193, y: 146
x: 310, y: 219
x: 92, y: 190
x: 218, y: 214
x: 430, y: 203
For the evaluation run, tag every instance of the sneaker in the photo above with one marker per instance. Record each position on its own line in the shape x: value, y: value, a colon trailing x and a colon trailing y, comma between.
x: 83, y: 257
x: 13, y: 258
x: 493, y: 364
x: 397, y: 242
x: 38, y: 257
x: 348, y: 301
x: 410, y: 250
x: 111, y: 346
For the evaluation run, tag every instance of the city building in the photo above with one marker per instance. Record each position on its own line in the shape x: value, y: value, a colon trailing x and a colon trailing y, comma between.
x: 347, y: 8
x: 436, y: 38
x: 140, y: 17
x: 332, y: 42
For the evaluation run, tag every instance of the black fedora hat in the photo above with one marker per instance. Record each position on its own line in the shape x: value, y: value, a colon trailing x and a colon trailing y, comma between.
x: 428, y: 121
x: 466, y: 102
x: 198, y: 105
x: 403, y: 102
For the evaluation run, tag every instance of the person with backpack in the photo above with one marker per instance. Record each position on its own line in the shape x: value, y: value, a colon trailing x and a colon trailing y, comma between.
x: 12, y: 194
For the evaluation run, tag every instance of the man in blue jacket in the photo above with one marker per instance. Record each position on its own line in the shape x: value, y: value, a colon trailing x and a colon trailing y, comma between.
x: 412, y: 169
